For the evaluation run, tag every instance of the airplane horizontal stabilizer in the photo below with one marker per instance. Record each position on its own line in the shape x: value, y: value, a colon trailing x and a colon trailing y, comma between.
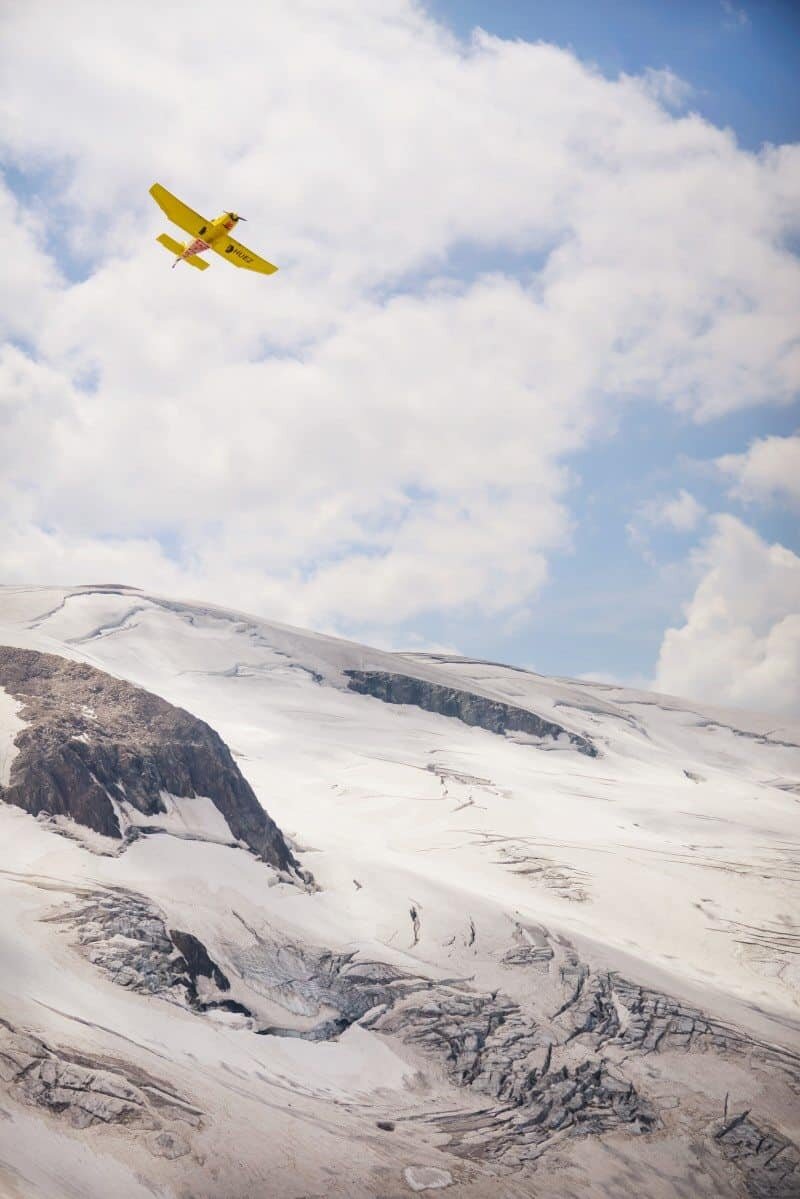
x: 176, y: 248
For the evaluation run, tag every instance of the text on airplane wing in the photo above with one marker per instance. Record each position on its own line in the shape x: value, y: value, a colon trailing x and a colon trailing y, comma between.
x: 239, y: 255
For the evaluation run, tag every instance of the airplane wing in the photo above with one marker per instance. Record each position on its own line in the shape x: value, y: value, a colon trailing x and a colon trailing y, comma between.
x: 239, y: 255
x: 178, y: 212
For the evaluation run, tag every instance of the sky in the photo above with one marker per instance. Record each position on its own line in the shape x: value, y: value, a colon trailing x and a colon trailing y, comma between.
x: 526, y: 384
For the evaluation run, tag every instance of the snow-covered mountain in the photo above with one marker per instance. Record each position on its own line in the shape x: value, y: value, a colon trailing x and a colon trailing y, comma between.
x: 550, y: 946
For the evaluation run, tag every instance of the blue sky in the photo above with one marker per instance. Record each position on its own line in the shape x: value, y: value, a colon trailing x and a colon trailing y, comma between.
x: 526, y: 385
x: 606, y: 607
x: 742, y: 60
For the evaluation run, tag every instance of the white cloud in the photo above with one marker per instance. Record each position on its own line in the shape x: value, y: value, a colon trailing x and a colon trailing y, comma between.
x: 768, y: 470
x: 681, y: 512
x: 360, y: 437
x: 736, y: 17
x: 667, y: 87
x: 31, y: 281
x: 355, y: 480
x: 740, y: 643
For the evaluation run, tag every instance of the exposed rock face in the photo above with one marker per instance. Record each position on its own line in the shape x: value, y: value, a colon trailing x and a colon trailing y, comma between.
x: 93, y: 742
x: 605, y: 1008
x: 546, y: 1077
x: 476, y: 710
x: 198, y: 963
x: 537, y: 1073
x: 770, y: 1163
x: 125, y: 936
x: 492, y: 1046
x: 88, y: 1093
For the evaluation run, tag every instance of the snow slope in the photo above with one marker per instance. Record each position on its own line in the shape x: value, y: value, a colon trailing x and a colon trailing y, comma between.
x: 672, y: 857
x: 10, y: 725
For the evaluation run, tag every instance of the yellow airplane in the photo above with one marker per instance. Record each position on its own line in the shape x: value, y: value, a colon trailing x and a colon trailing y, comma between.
x: 206, y: 235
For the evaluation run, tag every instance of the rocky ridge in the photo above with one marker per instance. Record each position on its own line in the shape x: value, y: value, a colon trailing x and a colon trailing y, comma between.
x: 87, y: 1092
x: 492, y: 715
x: 94, y: 746
x: 126, y: 937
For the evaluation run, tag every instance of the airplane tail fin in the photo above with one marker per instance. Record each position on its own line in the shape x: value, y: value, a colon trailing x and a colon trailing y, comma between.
x: 176, y: 248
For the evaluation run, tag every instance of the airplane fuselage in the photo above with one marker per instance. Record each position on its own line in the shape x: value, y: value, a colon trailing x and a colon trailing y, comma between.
x: 215, y: 231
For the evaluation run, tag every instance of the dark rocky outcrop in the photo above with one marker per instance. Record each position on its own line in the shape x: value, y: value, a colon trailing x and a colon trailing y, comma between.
x: 91, y: 741
x: 769, y: 1163
x: 124, y: 935
x: 198, y: 963
x: 489, y: 1044
x: 603, y: 1008
x: 475, y: 710
x: 88, y: 1092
